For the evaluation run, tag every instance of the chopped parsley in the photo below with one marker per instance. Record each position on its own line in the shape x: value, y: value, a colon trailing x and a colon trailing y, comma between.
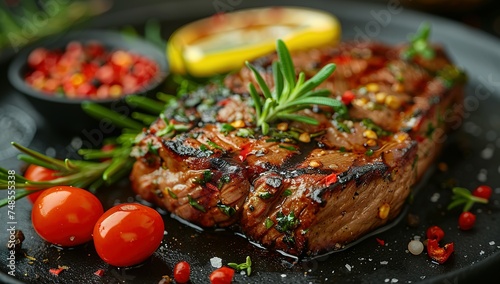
x: 195, y: 204
x: 205, y: 177
x: 228, y: 210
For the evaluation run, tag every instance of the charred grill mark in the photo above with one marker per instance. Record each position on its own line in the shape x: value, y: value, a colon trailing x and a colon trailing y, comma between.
x: 361, y: 173
x: 178, y: 147
x: 225, y: 165
x: 293, y: 173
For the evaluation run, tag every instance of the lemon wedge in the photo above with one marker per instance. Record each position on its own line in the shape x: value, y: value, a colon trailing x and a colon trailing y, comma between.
x: 222, y: 43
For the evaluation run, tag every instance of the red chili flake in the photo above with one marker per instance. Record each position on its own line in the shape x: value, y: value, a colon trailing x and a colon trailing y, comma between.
x: 348, y: 97
x: 57, y: 271
x: 245, y: 151
x: 332, y: 178
x: 380, y: 241
x: 211, y: 186
x: 342, y: 59
x: 223, y: 102
x: 99, y: 272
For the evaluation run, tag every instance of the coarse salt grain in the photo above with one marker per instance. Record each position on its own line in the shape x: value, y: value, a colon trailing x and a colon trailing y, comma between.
x: 385, y: 262
x: 348, y: 267
x: 492, y: 243
x: 216, y: 262
x: 435, y: 197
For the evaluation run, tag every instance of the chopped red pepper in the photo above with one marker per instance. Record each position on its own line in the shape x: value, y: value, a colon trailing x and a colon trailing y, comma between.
x: 211, y: 186
x: 437, y: 253
x: 342, y: 59
x: 348, y: 97
x: 99, y: 272
x: 380, y: 241
x: 57, y: 271
x: 245, y: 151
x: 435, y: 233
x: 329, y: 179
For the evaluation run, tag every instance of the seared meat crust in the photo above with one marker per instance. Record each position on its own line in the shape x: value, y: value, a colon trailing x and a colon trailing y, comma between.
x: 303, y: 189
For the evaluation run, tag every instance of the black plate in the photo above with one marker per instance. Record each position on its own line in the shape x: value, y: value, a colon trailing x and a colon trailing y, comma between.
x: 471, y: 153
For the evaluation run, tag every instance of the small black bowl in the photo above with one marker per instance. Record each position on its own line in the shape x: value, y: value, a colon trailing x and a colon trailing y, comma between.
x: 65, y: 113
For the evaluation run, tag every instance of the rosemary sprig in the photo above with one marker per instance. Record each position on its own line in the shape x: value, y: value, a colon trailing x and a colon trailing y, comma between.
x: 97, y: 168
x: 290, y: 94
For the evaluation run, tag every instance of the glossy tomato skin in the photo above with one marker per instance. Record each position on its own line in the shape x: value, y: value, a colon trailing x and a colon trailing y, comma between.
x: 466, y: 220
x: 38, y: 173
x: 127, y: 234
x: 223, y: 275
x: 65, y: 215
x: 182, y: 271
x: 482, y: 191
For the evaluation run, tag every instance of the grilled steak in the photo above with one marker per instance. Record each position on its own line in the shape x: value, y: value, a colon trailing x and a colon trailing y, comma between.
x: 303, y: 189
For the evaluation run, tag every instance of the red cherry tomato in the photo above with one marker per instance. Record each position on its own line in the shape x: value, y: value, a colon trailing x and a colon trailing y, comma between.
x: 65, y: 215
x: 38, y: 173
x: 435, y: 233
x: 482, y: 191
x: 182, y: 271
x: 223, y: 275
x: 127, y: 234
x: 466, y: 220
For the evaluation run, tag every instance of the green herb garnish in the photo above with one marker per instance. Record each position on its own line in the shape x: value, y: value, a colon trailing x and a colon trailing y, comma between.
x: 462, y: 196
x: 247, y: 266
x: 226, y: 128
x: 286, y: 223
x: 206, y: 176
x: 268, y: 223
x: 195, y: 204
x: 228, y: 210
x: 265, y: 195
x: 290, y: 94
x: 419, y: 44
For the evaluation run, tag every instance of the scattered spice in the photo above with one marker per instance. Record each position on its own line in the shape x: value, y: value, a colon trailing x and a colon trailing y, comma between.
x: 330, y: 179
x: 99, y: 272
x: 57, y: 271
x: 380, y: 241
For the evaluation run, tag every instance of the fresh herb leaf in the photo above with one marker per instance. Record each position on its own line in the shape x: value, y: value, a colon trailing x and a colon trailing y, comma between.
x: 286, y: 223
x: 419, y: 44
x: 247, y: 266
x: 462, y: 196
x: 265, y: 195
x: 206, y: 176
x: 226, y: 128
x: 195, y: 204
x: 291, y: 94
x: 268, y: 223
x: 228, y: 210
